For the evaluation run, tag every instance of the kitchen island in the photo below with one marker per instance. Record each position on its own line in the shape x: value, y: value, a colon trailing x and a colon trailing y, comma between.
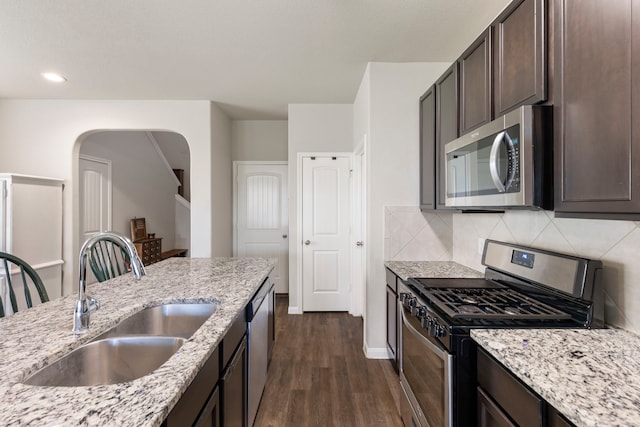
x: 36, y: 337
x: 591, y: 376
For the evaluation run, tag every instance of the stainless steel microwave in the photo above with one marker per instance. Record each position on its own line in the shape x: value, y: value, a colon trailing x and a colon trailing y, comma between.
x: 507, y: 163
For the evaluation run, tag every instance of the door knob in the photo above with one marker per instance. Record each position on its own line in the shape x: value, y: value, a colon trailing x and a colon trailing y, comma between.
x: 360, y: 243
x: 307, y: 242
x: 284, y: 236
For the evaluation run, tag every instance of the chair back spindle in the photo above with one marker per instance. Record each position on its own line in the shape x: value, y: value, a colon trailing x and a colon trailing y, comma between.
x: 17, y: 268
x: 108, y: 259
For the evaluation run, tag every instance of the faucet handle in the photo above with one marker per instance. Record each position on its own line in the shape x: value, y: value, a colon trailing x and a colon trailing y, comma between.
x: 93, y: 304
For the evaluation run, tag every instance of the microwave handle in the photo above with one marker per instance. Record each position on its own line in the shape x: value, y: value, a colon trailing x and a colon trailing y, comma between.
x: 502, y: 137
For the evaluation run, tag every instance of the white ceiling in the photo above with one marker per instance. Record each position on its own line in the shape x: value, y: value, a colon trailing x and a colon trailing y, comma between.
x: 253, y: 57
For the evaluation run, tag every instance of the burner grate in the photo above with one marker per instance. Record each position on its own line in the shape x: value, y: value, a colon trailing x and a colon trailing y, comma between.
x: 491, y: 303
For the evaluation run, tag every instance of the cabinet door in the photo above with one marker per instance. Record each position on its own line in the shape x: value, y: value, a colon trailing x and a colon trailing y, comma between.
x: 392, y: 327
x: 597, y: 150
x: 490, y: 414
x: 555, y: 419
x: 427, y: 149
x: 210, y: 416
x: 519, y: 56
x: 233, y: 386
x: 475, y: 84
x: 517, y: 400
x: 446, y: 125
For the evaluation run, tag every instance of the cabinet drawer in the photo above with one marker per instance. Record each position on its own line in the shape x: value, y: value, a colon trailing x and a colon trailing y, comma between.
x: 232, y: 338
x: 523, y: 406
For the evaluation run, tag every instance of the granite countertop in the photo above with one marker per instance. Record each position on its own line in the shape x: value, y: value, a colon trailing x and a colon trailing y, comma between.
x: 33, y: 338
x: 435, y: 269
x: 591, y: 376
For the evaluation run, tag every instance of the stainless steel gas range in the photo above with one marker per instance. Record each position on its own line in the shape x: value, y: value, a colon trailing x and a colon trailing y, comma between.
x: 523, y: 287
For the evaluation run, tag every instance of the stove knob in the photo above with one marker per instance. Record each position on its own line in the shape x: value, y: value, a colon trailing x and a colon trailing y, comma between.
x: 410, y: 301
x: 426, y: 321
x: 436, y: 330
x: 417, y: 310
x: 422, y: 312
x: 440, y: 331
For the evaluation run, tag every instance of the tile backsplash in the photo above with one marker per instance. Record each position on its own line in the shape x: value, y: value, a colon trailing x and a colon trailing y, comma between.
x: 411, y: 236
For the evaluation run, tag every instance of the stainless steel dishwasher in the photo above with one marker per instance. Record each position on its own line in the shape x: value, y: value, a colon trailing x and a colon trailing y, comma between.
x: 258, y: 333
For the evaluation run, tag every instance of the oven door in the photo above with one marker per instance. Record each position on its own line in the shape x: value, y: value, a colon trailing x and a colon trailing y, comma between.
x: 425, y: 375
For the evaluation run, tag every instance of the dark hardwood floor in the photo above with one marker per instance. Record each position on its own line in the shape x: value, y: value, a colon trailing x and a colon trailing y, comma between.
x: 319, y: 376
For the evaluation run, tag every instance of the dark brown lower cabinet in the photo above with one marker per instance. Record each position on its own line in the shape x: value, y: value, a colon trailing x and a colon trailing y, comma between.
x: 393, y: 324
x: 210, y: 415
x: 197, y: 398
x: 233, y: 386
x: 557, y: 420
x: 504, y: 401
x: 490, y: 414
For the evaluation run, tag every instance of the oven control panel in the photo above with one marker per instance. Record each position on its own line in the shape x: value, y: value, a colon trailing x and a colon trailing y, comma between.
x: 434, y: 326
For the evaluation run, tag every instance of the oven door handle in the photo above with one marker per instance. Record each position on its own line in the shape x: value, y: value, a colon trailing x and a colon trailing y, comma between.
x: 441, y: 353
x: 502, y: 137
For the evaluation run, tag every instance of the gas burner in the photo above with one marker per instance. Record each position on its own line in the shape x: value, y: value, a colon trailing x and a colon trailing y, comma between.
x: 469, y: 299
x: 512, y: 310
x: 470, y: 309
x: 491, y: 303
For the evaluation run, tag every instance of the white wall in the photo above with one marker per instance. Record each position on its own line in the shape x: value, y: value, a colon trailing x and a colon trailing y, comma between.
x: 312, y: 128
x: 143, y: 186
x: 393, y: 96
x: 221, y: 184
x: 40, y: 137
x: 176, y: 150
x: 259, y: 140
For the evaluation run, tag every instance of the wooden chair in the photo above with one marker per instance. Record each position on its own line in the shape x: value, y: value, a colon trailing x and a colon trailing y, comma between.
x: 13, y: 267
x: 108, y: 259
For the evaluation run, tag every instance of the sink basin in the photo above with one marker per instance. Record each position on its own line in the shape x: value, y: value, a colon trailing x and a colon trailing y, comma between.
x: 108, y: 361
x: 176, y: 320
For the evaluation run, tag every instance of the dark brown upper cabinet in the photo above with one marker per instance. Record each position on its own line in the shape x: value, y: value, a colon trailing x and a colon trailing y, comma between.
x: 446, y: 125
x: 475, y: 77
x: 519, y: 56
x: 427, y: 149
x: 596, y: 96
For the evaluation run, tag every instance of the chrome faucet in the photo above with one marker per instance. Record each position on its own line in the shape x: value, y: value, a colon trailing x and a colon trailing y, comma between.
x: 86, y: 304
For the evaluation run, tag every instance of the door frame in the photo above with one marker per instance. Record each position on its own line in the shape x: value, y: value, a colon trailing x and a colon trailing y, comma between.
x: 296, y: 307
x: 359, y: 222
x: 234, y: 214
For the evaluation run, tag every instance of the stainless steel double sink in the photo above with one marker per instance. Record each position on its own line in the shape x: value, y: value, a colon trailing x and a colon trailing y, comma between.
x: 133, y: 348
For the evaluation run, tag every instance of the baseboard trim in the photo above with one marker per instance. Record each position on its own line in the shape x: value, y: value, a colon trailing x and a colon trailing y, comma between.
x: 376, y: 353
x: 294, y: 310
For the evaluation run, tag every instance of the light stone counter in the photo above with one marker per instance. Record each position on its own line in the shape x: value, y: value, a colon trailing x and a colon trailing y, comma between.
x: 434, y: 269
x: 591, y: 376
x: 33, y: 338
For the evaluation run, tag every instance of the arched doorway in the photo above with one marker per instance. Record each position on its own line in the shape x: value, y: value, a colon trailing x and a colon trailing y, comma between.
x: 141, y: 182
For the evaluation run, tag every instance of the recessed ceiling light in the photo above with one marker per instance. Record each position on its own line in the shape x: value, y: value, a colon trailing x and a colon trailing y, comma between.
x: 54, y: 77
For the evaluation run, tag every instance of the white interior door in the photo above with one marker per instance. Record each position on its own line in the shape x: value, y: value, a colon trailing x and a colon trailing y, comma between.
x: 94, y: 199
x: 262, y: 217
x: 325, y: 234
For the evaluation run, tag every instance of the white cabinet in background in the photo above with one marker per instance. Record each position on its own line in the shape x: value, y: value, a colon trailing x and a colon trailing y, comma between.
x: 31, y: 226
